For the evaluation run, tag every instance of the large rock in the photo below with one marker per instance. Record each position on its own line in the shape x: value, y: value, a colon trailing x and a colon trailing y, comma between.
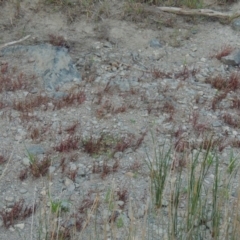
x: 53, y: 64
x: 233, y: 59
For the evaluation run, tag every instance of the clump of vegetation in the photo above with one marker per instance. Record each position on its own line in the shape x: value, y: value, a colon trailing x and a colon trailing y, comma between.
x: 223, y: 52
x: 58, y: 41
x: 37, y: 168
x: 17, y: 212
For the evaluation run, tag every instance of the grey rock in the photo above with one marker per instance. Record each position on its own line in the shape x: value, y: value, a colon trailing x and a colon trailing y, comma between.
x: 135, y: 56
x: 35, y: 149
x: 154, y: 43
x: 26, y: 162
x: 236, y: 24
x: 71, y: 188
x: 51, y: 169
x: 81, y: 172
x: 233, y: 59
x: 107, y: 45
x: 68, y: 182
x: 53, y: 64
x: 216, y: 124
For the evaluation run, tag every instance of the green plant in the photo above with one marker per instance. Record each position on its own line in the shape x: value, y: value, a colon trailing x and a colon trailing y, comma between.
x: 58, y: 206
x: 159, y: 168
x: 120, y: 222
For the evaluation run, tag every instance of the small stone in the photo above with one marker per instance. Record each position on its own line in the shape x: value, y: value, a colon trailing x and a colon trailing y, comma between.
x: 71, y: 188
x: 43, y: 192
x: 20, y: 226
x: 235, y: 133
x: 68, y: 182
x: 31, y: 60
x: 129, y: 174
x: 9, y: 199
x: 73, y: 166
x: 18, y: 138
x: 216, y: 124
x: 154, y: 43
x: 120, y: 203
x: 23, y: 190
x: 51, y: 169
x: 26, y: 162
x: 11, y: 229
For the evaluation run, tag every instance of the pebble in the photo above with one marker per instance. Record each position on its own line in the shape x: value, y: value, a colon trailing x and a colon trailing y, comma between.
x: 20, y: 226
x: 23, y: 190
x: 68, y: 182
x: 9, y: 199
x: 154, y: 43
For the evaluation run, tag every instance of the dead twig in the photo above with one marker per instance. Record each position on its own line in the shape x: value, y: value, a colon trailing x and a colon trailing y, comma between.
x: 14, y: 42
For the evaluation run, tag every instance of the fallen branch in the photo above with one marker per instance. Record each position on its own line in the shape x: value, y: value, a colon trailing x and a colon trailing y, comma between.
x: 14, y: 42
x: 200, y: 12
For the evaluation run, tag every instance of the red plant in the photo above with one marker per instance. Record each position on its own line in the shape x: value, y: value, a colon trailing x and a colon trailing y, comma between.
x: 228, y: 119
x: 223, y: 52
x: 217, y: 99
x: 17, y: 212
x: 71, y: 143
x: 58, y: 41
x: 71, y: 129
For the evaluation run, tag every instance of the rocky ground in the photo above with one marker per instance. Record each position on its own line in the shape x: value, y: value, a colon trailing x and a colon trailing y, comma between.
x: 80, y: 100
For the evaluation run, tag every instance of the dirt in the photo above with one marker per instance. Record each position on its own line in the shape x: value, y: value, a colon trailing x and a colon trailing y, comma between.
x: 108, y: 42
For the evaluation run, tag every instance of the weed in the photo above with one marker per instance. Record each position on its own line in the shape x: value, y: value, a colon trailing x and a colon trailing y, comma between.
x: 105, y: 169
x: 23, y: 174
x: 115, y: 166
x: 85, y: 204
x: 168, y: 107
x: 58, y: 206
x: 228, y: 119
x: 35, y: 133
x: 181, y: 145
x: 72, y: 128
x: 234, y: 81
x: 3, y: 159
x: 72, y: 174
x: 159, y: 168
x: 135, y: 166
x: 217, y: 99
x: 72, y: 98
x: 156, y: 73
x: 71, y: 143
x: 120, y: 222
x: 223, y: 52
x: 17, y: 212
x: 110, y: 145
x: 236, y: 102
x: 37, y: 168
x: 58, y: 41
x: 200, y: 128
x: 122, y: 194
x: 217, y: 82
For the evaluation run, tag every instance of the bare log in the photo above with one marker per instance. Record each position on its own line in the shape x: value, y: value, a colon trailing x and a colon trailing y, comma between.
x: 200, y: 12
